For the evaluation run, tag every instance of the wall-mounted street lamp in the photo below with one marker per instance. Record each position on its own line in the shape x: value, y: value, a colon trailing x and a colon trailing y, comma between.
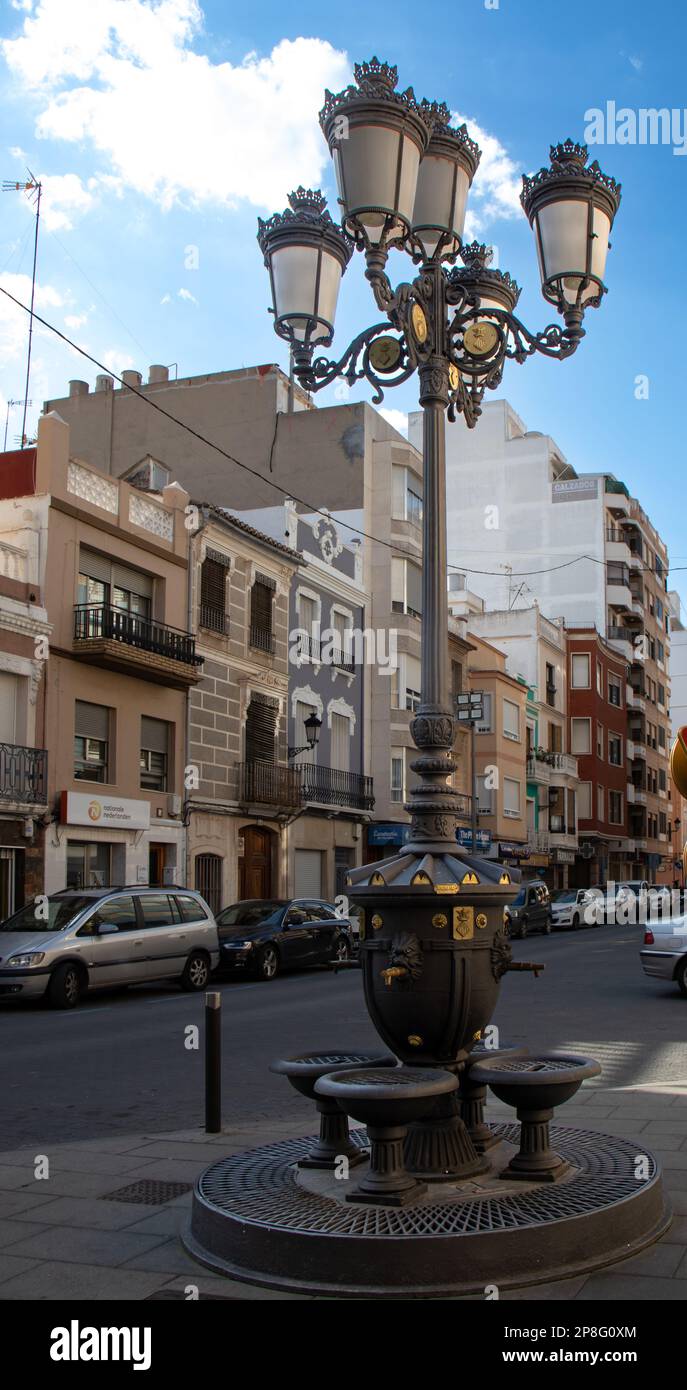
x: 312, y: 726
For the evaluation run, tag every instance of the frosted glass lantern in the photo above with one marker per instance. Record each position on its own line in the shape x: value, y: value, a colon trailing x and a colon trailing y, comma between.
x: 571, y: 208
x: 446, y: 173
x: 306, y: 255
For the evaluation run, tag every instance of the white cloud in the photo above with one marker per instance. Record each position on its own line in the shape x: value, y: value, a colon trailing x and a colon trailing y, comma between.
x: 64, y: 196
x: 495, y: 192
x: 122, y: 75
x: 166, y: 299
x: 116, y: 361
x: 636, y: 63
x: 74, y: 321
x: 186, y: 294
x: 397, y: 419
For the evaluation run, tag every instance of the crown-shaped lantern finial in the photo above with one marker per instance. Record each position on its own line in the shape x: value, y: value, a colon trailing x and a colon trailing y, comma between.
x: 477, y: 255
x: 569, y: 152
x: 375, y: 74
x: 307, y: 200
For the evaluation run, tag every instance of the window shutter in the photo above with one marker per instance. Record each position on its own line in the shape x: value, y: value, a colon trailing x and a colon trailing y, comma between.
x: 154, y: 734
x: 261, y: 722
x: 132, y: 580
x: 414, y: 587
x: 341, y: 743
x: 261, y: 604
x: 95, y: 566
x: 213, y: 585
x: 91, y: 721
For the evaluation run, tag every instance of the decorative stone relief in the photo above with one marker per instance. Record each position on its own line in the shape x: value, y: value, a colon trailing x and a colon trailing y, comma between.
x: 150, y: 517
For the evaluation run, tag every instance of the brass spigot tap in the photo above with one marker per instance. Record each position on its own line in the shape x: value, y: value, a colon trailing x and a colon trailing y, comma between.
x: 394, y: 972
x: 526, y: 965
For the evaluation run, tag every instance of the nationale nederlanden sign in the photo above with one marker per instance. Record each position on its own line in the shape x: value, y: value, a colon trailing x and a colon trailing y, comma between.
x: 105, y: 812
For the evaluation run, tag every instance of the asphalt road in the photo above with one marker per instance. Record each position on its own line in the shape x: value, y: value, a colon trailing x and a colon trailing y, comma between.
x: 119, y: 1063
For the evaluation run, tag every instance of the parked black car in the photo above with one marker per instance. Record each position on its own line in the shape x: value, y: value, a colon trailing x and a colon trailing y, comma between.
x: 263, y: 936
x: 530, y: 911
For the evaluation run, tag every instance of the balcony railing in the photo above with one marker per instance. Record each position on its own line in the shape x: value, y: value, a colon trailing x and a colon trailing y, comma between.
x: 269, y: 784
x: 23, y: 774
x: 99, y: 622
x: 331, y: 787
x: 622, y: 634
x: 311, y: 648
x: 262, y: 638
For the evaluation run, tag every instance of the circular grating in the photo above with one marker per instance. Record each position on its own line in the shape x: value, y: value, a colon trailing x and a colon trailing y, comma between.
x: 333, y: 1059
x: 540, y: 1066
x: 391, y: 1077
x: 259, y: 1188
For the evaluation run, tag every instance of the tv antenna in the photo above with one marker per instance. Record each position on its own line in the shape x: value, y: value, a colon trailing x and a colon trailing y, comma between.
x: 34, y: 188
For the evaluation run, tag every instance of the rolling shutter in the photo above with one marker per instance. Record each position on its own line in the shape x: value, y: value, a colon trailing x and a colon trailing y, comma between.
x: 91, y: 721
x: 132, y: 581
x: 95, y: 566
x: 261, y: 722
x: 154, y: 734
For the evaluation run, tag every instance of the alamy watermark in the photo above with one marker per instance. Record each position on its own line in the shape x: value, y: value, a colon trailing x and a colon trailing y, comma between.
x: 646, y: 125
x: 354, y: 647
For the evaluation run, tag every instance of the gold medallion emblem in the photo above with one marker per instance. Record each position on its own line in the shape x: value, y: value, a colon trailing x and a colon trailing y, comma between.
x: 463, y: 923
x: 415, y: 1040
x: 446, y: 888
x: 453, y: 376
x: 377, y: 921
x: 385, y: 353
x: 440, y: 919
x: 418, y: 322
x: 481, y: 919
x: 480, y: 339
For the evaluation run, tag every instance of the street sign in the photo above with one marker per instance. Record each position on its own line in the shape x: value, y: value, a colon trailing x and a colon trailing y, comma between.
x: 470, y: 706
x: 464, y: 838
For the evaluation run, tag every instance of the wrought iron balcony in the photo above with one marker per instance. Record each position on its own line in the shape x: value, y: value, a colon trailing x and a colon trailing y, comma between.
x: 262, y: 638
x: 269, y: 784
x: 118, y: 639
x: 23, y: 775
x: 330, y: 787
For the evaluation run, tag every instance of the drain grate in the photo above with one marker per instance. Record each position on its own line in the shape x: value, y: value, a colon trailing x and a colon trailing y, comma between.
x: 148, y: 1192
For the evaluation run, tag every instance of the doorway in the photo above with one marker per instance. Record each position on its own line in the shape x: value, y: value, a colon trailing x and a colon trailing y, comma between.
x: 8, y: 877
x: 156, y: 865
x: 255, y: 865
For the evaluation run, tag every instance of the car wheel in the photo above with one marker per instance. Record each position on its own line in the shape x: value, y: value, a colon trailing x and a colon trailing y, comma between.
x: 268, y: 963
x: 522, y: 930
x: 342, y: 950
x: 66, y: 987
x: 576, y: 922
x: 547, y: 927
x: 196, y: 972
x: 681, y: 977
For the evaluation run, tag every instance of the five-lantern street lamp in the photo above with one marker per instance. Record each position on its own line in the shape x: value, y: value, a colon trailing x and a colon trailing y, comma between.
x: 403, y: 174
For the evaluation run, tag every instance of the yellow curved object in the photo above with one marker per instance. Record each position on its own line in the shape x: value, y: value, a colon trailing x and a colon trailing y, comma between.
x: 678, y: 761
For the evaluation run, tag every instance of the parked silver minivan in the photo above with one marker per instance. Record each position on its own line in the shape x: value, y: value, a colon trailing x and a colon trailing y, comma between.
x: 98, y: 938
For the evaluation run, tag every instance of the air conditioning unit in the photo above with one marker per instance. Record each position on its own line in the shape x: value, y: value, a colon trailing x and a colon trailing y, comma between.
x: 173, y: 804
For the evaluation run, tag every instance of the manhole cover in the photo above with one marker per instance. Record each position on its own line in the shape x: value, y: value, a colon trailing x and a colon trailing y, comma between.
x: 148, y: 1192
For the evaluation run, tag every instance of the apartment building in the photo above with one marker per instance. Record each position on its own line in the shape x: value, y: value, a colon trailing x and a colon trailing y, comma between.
x: 608, y: 794
x: 536, y: 654
x: 586, y: 550
x: 346, y: 459
x: 24, y: 636
x: 120, y: 664
x: 241, y: 792
x: 501, y: 753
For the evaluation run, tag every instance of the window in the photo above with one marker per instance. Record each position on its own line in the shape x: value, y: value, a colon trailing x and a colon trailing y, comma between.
x: 584, y: 801
x: 485, y: 798
x: 340, y: 742
x: 406, y: 587
x: 511, y: 797
x: 208, y: 872
x: 158, y: 910
x: 661, y: 696
x: 555, y: 738
x: 662, y: 785
x: 261, y: 723
x: 579, y: 671
x: 550, y: 684
x: 103, y: 583
x: 600, y: 805
x: 615, y: 749
x: 661, y: 736
x: 615, y: 691
x: 213, y: 592
x: 91, y: 742
x: 413, y: 507
x: 599, y: 741
x: 484, y: 725
x: 411, y: 666
x: 580, y: 736
x: 261, y: 596
x: 662, y: 823
x: 615, y: 808
x: 599, y: 679
x: 154, y: 754
x: 342, y: 638
x: 398, y: 774
x: 660, y: 651
x: 190, y: 910
x: 303, y: 711
x: 511, y: 720
x: 617, y: 573
x: 307, y: 617
x: 119, y: 913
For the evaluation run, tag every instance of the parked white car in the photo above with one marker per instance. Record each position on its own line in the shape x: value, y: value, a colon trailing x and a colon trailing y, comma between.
x: 664, y: 953
x: 577, y: 907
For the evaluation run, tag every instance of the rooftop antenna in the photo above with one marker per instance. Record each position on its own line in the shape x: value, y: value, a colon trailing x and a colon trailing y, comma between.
x: 34, y: 188
x: 10, y: 404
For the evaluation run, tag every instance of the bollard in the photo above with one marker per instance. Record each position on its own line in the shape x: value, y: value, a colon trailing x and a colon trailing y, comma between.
x: 213, y: 1062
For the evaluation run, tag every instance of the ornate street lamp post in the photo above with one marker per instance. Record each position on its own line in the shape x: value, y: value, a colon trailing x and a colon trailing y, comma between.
x: 404, y: 174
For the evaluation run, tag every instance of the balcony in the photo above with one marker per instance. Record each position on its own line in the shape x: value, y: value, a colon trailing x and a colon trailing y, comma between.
x: 565, y: 763
x: 270, y: 784
x: 327, y: 786
x: 136, y: 646
x: 624, y: 638
x: 538, y: 770
x: 638, y: 795
x: 635, y: 698
x: 262, y: 638
x: 310, y: 649
x: 23, y: 776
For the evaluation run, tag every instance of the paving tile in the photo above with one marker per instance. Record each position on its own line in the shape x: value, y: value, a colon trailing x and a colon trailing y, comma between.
x: 172, y: 1170
x: 677, y: 1235
x: 80, y: 1246
x: 660, y: 1260
x: 192, y: 1153
x: 677, y: 1199
x: 22, y: 1199
x: 631, y: 1288
x: 169, y: 1257
x: 557, y: 1292
x: 164, y: 1221
x: 13, y: 1177
x: 670, y: 1127
x: 63, y: 1184
x: 233, y: 1289
x: 82, y: 1160
x: 12, y: 1265
x: 60, y: 1281
x: 91, y: 1213
x: 14, y: 1229
x: 669, y: 1159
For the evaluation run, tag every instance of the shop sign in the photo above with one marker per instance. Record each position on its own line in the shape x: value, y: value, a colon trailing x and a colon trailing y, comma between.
x: 104, y: 811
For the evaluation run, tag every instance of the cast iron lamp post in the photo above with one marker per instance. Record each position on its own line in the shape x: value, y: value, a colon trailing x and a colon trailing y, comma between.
x: 403, y: 174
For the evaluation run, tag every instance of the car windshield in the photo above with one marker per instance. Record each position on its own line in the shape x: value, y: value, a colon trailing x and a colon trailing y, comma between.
x: 563, y: 897
x: 47, y: 914
x: 518, y: 902
x: 253, y: 914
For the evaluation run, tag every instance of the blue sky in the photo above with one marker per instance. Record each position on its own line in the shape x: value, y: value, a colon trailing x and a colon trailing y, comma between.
x: 159, y: 127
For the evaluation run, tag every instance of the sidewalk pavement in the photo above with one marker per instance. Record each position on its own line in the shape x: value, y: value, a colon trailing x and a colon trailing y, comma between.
x: 66, y: 1237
